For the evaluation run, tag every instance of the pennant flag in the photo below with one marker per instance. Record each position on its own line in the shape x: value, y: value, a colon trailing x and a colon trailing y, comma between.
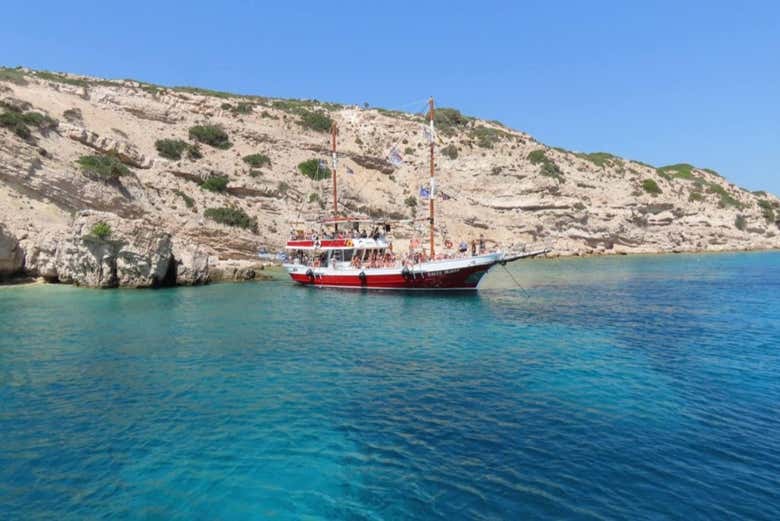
x: 349, y: 171
x: 395, y: 157
x: 445, y: 197
x: 424, y: 192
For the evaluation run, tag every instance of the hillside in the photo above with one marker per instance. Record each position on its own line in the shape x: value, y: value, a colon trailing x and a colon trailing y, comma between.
x: 91, y: 194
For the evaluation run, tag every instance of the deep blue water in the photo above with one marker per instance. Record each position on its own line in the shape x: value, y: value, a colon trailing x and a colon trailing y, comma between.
x: 613, y: 388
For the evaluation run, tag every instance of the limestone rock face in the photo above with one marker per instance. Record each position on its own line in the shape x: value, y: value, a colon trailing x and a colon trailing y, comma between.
x: 11, y: 255
x: 135, y: 254
x: 126, y: 152
x: 494, y: 181
x: 192, y: 264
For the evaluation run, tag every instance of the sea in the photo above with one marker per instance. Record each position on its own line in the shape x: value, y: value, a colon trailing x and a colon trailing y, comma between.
x: 640, y: 387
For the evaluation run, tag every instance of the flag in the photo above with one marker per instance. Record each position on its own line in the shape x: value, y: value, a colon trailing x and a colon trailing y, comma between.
x: 424, y: 192
x: 395, y: 157
x: 349, y: 171
x: 427, y: 134
x: 445, y: 197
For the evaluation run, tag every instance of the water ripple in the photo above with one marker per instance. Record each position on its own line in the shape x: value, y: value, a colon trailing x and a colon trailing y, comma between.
x: 631, y: 388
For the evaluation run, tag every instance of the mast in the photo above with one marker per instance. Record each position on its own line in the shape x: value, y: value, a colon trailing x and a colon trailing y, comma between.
x: 433, y: 181
x: 333, y: 132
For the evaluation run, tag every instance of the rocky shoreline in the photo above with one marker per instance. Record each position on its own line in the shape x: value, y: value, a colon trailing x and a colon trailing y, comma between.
x: 119, y: 183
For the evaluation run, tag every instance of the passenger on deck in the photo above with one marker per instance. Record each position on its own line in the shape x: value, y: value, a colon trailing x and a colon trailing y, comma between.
x: 481, y: 244
x: 473, y: 248
x: 363, y: 235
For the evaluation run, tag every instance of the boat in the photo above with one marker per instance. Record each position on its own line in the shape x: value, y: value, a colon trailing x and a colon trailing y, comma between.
x: 340, y: 255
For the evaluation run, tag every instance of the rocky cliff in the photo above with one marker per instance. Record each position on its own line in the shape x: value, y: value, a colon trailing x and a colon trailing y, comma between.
x: 122, y: 183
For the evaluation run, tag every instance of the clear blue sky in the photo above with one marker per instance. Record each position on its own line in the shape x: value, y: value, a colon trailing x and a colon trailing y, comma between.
x: 660, y: 81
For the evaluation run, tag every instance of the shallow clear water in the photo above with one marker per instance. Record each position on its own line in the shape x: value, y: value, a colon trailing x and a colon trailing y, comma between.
x: 636, y: 388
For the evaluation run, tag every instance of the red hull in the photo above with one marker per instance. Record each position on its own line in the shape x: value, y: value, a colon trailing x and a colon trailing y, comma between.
x: 462, y: 278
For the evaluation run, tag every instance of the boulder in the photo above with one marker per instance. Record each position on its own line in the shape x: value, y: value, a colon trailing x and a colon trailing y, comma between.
x: 191, y: 264
x: 126, y: 152
x: 135, y: 254
x: 11, y: 254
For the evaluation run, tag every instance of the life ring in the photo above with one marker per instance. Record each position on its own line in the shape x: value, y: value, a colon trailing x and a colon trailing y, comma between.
x: 448, y: 244
x: 348, y: 243
x: 317, y: 244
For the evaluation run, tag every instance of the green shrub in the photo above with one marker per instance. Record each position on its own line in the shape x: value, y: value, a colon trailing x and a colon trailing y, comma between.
x: 678, y: 171
x: 601, y: 159
x: 61, y: 78
x: 740, y: 222
x: 767, y: 210
x: 215, y: 183
x: 551, y: 170
x: 189, y: 201
x: 450, y: 151
x: 312, y: 169
x: 448, y: 120
x: 486, y: 137
x: 282, y: 187
x: 537, y: 157
x: 20, y: 122
x: 232, y: 217
x: 257, y: 160
x: 173, y: 149
x: 409, y: 151
x: 411, y: 202
x: 14, y: 76
x: 212, y: 135
x: 313, y: 197
x: 695, y: 197
x: 651, y: 187
x: 205, y: 92
x: 40, y: 121
x: 101, y: 230
x: 315, y: 120
x: 726, y: 199
x: 72, y: 115
x: 15, y: 122
x: 241, y: 107
x: 548, y: 166
x: 103, y: 167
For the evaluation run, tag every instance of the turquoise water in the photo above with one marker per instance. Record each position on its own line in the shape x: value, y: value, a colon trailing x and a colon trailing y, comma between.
x: 619, y: 388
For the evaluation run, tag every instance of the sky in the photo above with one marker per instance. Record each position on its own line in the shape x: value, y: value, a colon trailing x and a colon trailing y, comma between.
x: 662, y: 82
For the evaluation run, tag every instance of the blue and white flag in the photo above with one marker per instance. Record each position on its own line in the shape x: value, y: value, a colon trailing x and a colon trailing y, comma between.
x: 395, y: 157
x: 425, y: 193
x: 427, y: 134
